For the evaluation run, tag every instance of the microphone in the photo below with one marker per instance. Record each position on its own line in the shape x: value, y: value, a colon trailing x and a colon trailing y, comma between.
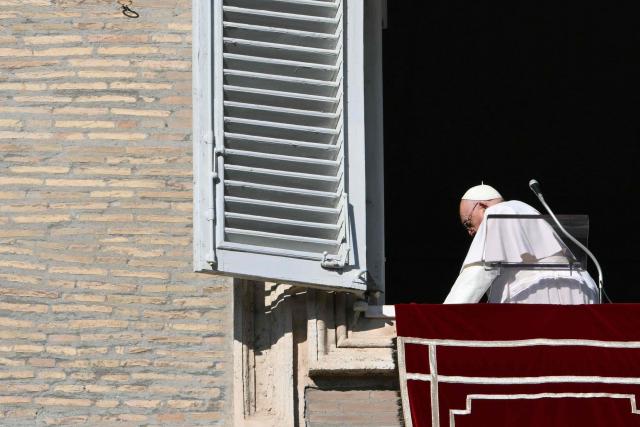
x: 535, y: 187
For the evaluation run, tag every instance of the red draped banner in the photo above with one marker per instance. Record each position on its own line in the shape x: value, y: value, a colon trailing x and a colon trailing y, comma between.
x: 519, y: 365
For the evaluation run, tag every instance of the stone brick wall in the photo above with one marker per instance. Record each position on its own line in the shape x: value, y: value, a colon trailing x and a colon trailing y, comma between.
x: 102, y: 321
x: 364, y: 407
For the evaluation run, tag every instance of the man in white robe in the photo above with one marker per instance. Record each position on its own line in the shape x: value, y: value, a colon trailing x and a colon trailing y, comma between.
x: 508, y: 242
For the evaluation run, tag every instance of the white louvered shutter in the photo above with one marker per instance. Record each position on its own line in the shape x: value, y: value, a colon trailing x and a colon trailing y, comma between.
x: 281, y: 152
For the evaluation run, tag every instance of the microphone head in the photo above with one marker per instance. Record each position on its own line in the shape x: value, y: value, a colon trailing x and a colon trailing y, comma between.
x: 534, y: 185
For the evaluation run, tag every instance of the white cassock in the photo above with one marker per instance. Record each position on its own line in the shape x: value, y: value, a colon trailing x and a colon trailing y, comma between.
x: 519, y: 241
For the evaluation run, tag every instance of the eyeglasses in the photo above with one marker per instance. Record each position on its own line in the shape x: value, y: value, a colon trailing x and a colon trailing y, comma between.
x: 467, y: 222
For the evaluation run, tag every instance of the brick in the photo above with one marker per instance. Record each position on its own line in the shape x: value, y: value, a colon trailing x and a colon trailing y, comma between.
x: 22, y: 86
x: 27, y: 348
x: 57, y: 401
x: 12, y: 195
x: 133, y: 251
x: 100, y: 323
x: 22, y: 388
x: 84, y: 111
x: 109, y: 63
x: 10, y: 362
x: 20, y: 181
x: 115, y: 377
x: 103, y: 171
x: 105, y: 403
x: 171, y: 418
x: 132, y: 136
x: 166, y: 65
x: 42, y: 99
x: 23, y: 265
x: 107, y: 287
x: 176, y: 26
x: 105, y: 217
x: 10, y: 123
x: 123, y: 50
x: 140, y: 86
x: 79, y: 86
x: 119, y: 194
x: 140, y: 274
x: 12, y: 65
x: 176, y: 100
x: 166, y: 38
x: 79, y: 308
x: 78, y: 270
x: 41, y: 219
x: 29, y: 308
x: 117, y: 38
x: 84, y: 124
x: 27, y: 293
x: 95, y: 388
x: 40, y: 169
x: 52, y: 375
x: 134, y: 299
x: 196, y: 327
x: 14, y: 400
x: 64, y: 51
x: 75, y: 183
x: 141, y: 112
x: 18, y: 278
x: 184, y: 404
x: 105, y: 98
x: 7, y: 375
x: 142, y: 403
x: 42, y: 363
x: 52, y: 39
x: 164, y: 218
x: 69, y: 388
x: 136, y: 183
x: 13, y: 53
x: 32, y: 75
x: 85, y: 298
x: 106, y: 74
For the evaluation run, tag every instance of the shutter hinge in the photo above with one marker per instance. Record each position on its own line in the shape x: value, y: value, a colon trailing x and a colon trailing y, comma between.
x: 217, y: 152
x: 336, y: 263
x: 339, y: 261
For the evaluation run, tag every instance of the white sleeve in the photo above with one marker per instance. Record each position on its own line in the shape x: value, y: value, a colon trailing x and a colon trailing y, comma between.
x: 470, y: 285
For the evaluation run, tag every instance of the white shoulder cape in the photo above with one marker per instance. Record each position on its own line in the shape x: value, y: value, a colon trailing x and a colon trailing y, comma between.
x: 513, y: 240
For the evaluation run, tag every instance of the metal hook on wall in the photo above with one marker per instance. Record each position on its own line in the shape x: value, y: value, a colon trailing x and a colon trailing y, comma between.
x: 126, y: 10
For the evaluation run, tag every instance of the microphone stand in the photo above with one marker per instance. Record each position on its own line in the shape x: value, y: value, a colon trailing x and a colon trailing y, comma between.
x: 535, y: 187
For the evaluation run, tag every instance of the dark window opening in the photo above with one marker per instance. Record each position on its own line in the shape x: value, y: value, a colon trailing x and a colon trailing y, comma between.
x: 505, y: 94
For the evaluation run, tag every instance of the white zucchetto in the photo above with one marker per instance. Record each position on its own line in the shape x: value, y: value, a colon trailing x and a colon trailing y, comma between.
x: 481, y: 192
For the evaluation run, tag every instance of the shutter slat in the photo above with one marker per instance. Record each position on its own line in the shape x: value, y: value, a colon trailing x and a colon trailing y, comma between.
x: 284, y: 158
x: 284, y: 241
x: 281, y: 252
x: 283, y: 210
x: 281, y: 35
x: 280, y: 67
x: 283, y: 226
x: 282, y: 178
x: 276, y: 162
x: 274, y: 129
x: 308, y: 7
x: 280, y: 83
x: 280, y: 146
x: 304, y: 55
x: 307, y: 20
x: 281, y: 194
x: 281, y: 115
